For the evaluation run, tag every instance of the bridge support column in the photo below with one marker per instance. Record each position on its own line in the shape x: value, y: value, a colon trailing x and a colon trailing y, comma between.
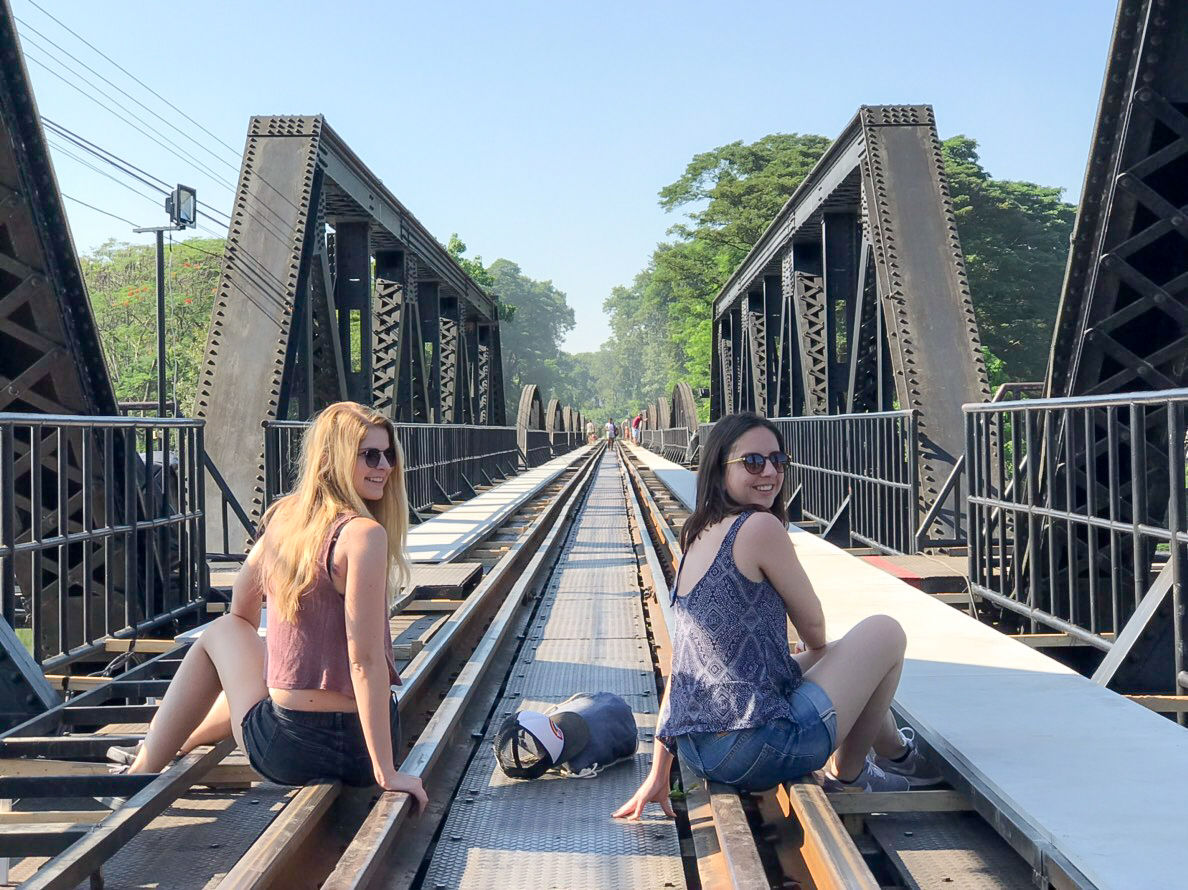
x: 352, y: 294
x: 841, y: 237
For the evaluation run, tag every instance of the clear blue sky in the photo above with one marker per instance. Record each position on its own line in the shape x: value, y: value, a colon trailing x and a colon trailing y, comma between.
x: 542, y: 131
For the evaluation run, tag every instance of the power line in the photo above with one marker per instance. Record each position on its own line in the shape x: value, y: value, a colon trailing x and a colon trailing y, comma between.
x: 64, y: 151
x: 98, y: 209
x: 219, y: 180
x: 131, y: 75
x: 123, y: 166
x: 167, y: 144
x: 116, y: 86
x: 98, y: 150
x: 70, y: 154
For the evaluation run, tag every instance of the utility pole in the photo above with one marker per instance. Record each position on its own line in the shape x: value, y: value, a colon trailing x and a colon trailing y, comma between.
x: 182, y: 207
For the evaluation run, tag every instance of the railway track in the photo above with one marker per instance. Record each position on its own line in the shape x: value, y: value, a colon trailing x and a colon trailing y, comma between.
x: 456, y: 650
x: 797, y: 835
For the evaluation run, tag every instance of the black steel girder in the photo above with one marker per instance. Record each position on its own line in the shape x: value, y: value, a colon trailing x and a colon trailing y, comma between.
x: 301, y: 319
x: 51, y: 362
x: 863, y: 274
x: 1122, y: 325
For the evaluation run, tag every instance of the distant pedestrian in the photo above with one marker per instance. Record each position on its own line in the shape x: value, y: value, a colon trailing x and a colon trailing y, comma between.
x: 611, y: 429
x: 636, y: 426
x: 591, y: 432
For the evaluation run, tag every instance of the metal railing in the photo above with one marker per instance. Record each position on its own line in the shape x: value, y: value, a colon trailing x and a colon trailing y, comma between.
x: 1076, y: 509
x: 858, y: 470
x: 672, y: 443
x: 443, y: 462
x: 944, y: 523
x: 231, y: 517
x: 536, y: 447
x: 101, y: 528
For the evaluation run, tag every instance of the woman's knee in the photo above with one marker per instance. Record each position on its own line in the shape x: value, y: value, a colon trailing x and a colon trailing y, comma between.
x: 887, y: 631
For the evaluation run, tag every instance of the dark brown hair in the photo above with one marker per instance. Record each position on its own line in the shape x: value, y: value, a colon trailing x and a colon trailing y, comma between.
x: 713, y: 503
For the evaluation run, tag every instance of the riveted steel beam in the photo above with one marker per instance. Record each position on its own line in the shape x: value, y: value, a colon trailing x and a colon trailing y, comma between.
x: 299, y: 321
x: 908, y: 311
x: 1122, y: 325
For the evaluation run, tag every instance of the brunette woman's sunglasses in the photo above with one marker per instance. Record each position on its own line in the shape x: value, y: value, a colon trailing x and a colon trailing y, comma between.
x: 371, y: 456
x: 753, y: 462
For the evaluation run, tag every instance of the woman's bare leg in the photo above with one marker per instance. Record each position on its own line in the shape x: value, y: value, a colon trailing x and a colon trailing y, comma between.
x: 228, y: 657
x: 215, y: 726
x: 860, y: 673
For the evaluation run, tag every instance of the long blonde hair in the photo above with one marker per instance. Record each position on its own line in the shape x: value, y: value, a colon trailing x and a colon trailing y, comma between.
x: 325, y: 489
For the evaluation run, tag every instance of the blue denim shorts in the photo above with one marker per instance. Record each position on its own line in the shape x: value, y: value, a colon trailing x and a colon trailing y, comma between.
x: 298, y: 747
x: 764, y: 756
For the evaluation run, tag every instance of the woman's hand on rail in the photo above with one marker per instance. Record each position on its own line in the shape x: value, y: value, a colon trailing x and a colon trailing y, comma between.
x: 390, y: 780
x: 653, y: 790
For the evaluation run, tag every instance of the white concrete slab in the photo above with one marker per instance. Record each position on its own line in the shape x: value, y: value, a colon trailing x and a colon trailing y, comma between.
x: 445, y: 536
x: 1101, y: 779
x: 682, y: 483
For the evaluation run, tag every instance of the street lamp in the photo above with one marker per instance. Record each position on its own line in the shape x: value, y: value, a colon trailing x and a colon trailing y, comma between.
x: 182, y: 207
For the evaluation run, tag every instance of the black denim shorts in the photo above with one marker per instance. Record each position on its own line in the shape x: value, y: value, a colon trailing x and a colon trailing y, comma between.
x: 298, y: 747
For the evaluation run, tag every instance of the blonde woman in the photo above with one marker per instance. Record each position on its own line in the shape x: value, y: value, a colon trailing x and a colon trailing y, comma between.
x: 327, y: 559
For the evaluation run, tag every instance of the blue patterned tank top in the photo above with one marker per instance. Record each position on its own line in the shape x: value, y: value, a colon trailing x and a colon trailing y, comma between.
x: 731, y: 668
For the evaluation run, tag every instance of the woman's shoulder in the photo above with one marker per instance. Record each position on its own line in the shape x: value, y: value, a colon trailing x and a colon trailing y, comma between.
x: 761, y: 528
x: 360, y: 530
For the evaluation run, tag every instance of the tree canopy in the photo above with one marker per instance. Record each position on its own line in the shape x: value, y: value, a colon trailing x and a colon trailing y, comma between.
x: 1014, y: 234
x: 121, y: 282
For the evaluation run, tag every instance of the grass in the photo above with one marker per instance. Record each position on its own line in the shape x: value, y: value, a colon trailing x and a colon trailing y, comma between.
x: 25, y: 636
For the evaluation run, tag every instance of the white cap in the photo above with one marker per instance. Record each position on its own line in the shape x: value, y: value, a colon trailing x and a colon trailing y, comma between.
x: 544, y: 730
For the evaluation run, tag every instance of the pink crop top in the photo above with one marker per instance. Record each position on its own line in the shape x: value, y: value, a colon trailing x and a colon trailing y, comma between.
x: 311, y: 651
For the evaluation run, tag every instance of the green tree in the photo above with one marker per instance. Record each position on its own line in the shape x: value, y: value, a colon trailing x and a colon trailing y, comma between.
x: 1014, y: 235
x: 531, y: 338
x: 662, y: 322
x: 121, y: 282
x: 1015, y: 238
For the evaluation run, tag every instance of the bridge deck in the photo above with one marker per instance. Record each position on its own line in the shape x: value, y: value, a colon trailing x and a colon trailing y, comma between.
x: 1093, y: 779
x: 588, y: 636
x: 443, y: 537
x: 681, y: 482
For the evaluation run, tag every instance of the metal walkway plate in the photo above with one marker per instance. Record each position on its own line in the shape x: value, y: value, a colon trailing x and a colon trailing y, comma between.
x: 556, y: 832
x: 932, y: 851
x: 443, y: 537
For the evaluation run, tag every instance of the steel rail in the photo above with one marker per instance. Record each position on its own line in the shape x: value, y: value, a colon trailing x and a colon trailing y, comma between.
x: 364, y: 857
x: 712, y: 860
x: 828, y: 851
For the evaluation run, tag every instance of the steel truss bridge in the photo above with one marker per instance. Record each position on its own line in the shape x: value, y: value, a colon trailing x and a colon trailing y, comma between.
x: 850, y: 324
x: 851, y: 321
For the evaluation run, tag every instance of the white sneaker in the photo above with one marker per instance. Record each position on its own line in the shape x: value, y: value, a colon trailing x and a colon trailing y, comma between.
x: 911, y: 766
x: 872, y: 778
x: 124, y: 756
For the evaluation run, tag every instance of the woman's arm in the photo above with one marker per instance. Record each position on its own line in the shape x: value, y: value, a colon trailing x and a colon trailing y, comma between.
x: 365, y: 545
x: 655, y: 787
x: 765, y: 543
x: 248, y: 588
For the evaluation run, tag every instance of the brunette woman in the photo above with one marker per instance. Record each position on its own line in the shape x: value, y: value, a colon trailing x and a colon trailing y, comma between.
x: 740, y: 708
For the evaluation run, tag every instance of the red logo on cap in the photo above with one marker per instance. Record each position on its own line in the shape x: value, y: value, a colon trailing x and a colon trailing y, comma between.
x: 556, y: 731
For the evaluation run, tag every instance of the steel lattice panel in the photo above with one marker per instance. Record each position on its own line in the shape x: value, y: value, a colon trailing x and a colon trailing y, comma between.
x: 877, y: 198
x: 1122, y: 325
x: 51, y: 362
x: 297, y: 322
